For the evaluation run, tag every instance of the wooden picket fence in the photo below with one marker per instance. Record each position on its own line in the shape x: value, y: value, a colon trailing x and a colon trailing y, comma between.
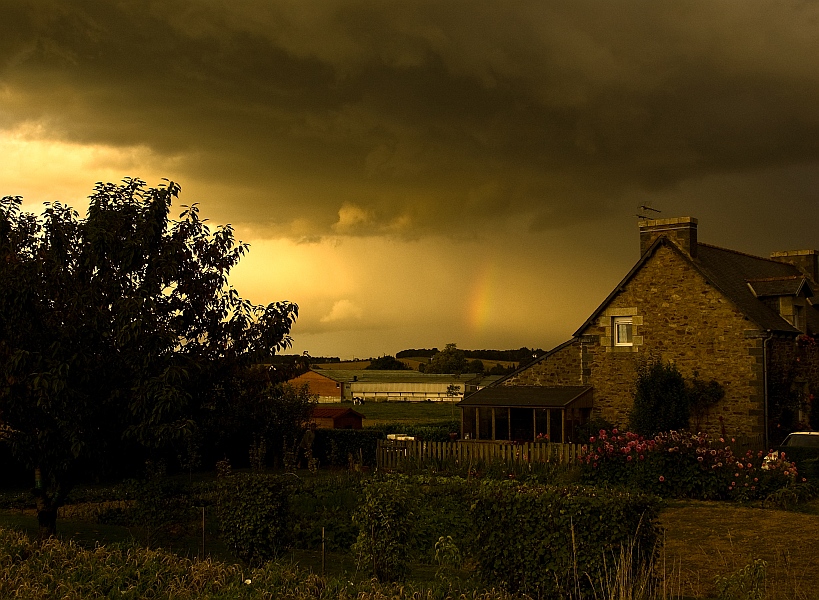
x: 392, y: 454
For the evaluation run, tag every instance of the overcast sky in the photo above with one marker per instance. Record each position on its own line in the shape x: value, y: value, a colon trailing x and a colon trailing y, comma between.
x: 417, y: 173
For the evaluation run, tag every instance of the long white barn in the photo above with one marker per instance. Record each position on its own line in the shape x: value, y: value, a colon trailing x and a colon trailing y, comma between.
x: 339, y: 385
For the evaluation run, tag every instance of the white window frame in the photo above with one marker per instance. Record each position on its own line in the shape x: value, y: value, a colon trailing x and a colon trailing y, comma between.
x: 616, y: 322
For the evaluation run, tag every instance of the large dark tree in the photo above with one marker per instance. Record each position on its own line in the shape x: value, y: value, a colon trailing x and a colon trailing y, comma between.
x: 117, y: 326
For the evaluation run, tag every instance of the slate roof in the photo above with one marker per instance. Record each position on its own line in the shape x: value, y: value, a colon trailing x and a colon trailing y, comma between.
x: 730, y: 272
x: 528, y: 396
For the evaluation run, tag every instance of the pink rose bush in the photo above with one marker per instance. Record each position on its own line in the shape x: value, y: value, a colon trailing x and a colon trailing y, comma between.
x: 683, y: 465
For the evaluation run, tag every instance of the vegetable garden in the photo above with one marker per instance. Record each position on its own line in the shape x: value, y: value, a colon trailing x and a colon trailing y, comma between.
x: 547, y: 531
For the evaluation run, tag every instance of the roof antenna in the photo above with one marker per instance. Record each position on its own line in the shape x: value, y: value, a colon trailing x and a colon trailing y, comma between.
x: 646, y: 207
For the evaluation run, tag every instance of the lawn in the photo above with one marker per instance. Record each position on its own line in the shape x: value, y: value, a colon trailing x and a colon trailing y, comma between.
x: 704, y: 540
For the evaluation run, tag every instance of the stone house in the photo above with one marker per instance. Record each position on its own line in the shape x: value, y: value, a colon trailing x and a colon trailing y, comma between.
x: 748, y: 322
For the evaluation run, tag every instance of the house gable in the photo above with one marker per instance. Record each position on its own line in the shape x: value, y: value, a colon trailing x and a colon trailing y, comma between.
x: 678, y: 316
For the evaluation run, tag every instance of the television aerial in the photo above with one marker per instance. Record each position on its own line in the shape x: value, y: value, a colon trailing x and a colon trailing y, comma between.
x: 646, y: 208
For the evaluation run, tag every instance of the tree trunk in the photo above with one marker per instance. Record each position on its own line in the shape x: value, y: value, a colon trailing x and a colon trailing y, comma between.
x: 47, y: 505
x: 47, y: 521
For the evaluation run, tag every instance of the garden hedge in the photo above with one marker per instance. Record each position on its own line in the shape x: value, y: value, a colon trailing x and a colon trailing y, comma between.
x: 556, y: 542
x: 255, y: 516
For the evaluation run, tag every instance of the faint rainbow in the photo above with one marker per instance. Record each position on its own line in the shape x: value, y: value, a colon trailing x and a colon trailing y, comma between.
x: 481, y: 302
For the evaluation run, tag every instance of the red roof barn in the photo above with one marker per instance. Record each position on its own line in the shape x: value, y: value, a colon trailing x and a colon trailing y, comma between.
x: 336, y: 418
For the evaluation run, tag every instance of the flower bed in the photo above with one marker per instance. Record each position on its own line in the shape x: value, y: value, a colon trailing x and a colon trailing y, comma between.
x: 679, y: 464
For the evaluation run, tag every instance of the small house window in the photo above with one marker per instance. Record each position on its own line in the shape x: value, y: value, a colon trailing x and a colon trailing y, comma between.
x: 622, y: 331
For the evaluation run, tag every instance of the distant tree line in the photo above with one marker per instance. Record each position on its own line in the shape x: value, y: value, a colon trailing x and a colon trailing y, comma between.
x: 387, y: 363
x: 417, y: 353
x: 521, y: 355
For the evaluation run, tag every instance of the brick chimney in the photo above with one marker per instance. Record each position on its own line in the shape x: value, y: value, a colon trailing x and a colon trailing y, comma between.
x: 806, y: 260
x: 680, y: 230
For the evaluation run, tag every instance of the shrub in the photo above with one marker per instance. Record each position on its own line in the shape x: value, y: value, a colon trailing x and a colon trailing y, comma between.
x: 335, y: 446
x: 683, y: 465
x: 254, y: 515
x: 555, y: 542
x: 441, y: 509
x: 325, y: 503
x: 661, y: 399
x: 385, y: 520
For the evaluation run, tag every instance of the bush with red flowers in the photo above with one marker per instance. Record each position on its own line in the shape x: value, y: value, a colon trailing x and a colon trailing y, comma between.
x: 678, y: 464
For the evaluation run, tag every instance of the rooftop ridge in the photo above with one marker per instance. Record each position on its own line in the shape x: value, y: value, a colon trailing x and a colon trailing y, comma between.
x: 783, y: 278
x: 732, y: 251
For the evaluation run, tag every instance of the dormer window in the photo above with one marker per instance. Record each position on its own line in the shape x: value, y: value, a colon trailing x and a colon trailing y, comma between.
x: 622, y: 329
x: 785, y: 295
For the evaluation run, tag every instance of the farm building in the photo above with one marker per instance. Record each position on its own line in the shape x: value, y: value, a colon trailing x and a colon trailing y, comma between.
x: 332, y: 386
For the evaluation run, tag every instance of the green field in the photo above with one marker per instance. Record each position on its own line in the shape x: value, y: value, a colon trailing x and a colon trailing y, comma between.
x: 404, y: 413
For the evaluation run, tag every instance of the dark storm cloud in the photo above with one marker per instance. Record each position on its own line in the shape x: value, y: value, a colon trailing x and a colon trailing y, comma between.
x: 409, y: 118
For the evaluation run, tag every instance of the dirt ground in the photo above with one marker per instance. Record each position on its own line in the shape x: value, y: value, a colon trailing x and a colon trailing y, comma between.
x: 704, y: 540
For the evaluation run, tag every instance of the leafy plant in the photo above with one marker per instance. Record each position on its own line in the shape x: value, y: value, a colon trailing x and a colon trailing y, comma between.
x: 255, y: 516
x: 746, y: 584
x: 791, y: 496
x: 162, y: 506
x: 447, y: 555
x: 385, y: 520
x: 325, y: 504
x: 661, y: 401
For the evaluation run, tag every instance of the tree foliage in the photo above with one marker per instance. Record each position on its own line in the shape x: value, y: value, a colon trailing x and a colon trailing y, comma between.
x: 386, y: 363
x: 119, y: 325
x: 448, y: 360
x: 258, y: 412
x: 476, y: 366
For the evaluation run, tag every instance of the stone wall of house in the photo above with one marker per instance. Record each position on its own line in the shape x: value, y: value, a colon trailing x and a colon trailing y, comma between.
x: 793, y: 379
x: 562, y: 367
x: 678, y: 317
